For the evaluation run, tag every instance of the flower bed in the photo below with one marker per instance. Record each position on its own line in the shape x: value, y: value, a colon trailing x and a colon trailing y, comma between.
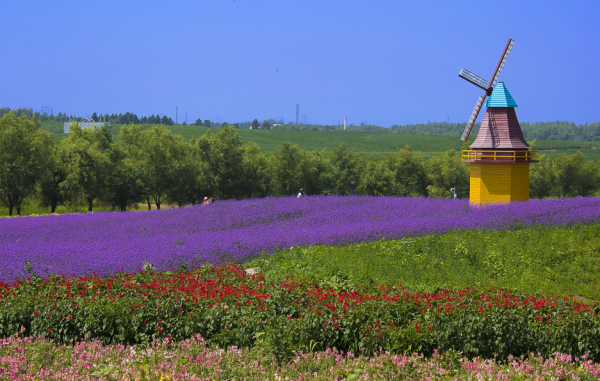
x: 228, y: 307
x: 26, y: 358
x: 102, y: 243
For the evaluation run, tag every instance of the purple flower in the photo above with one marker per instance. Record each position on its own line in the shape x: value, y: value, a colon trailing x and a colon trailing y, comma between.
x: 239, y: 230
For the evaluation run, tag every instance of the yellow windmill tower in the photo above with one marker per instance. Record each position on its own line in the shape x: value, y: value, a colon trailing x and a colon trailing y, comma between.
x: 499, y: 157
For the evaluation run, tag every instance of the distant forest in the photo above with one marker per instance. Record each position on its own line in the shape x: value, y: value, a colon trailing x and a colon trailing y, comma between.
x: 559, y: 130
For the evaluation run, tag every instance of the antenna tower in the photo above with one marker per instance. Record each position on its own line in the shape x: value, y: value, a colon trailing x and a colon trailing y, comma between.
x: 297, y: 112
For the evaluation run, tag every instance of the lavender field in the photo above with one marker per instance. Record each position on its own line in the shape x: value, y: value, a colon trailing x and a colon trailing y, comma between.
x: 240, y: 230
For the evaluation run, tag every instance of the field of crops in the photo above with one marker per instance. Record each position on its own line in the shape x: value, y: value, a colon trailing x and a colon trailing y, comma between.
x: 375, y: 146
x: 336, y: 278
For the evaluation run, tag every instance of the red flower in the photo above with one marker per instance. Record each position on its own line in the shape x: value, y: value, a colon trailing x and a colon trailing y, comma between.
x: 48, y: 329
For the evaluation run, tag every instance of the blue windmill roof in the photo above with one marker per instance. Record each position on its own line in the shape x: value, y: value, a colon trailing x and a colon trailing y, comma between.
x: 501, y: 97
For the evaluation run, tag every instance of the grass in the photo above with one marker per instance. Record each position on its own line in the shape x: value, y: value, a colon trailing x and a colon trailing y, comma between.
x: 30, y: 208
x: 374, y: 146
x: 537, y: 260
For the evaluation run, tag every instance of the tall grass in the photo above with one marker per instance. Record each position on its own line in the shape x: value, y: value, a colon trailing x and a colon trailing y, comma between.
x: 539, y: 259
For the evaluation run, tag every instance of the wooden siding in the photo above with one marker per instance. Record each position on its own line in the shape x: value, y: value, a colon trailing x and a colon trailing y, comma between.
x: 492, y: 182
x: 500, y: 129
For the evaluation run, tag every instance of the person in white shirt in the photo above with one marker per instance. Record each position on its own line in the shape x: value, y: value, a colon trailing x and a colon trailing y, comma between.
x: 301, y: 193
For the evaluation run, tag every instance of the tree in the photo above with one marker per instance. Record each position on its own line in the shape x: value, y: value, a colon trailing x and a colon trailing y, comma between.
x: 24, y: 154
x: 255, y: 124
x: 207, y: 123
x: 568, y: 172
x: 49, y: 188
x: 409, y: 173
x: 87, y: 155
x: 266, y: 124
x: 318, y: 176
x: 377, y: 180
x: 221, y: 157
x: 445, y: 172
x: 589, y: 179
x: 256, y: 181
x: 286, y: 169
x: 157, y: 154
x: 186, y: 189
x: 198, y: 122
x: 542, y: 179
x: 125, y: 187
x: 347, y: 166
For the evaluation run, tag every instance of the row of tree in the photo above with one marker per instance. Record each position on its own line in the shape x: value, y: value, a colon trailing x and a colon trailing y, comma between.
x: 127, y: 118
x: 156, y: 167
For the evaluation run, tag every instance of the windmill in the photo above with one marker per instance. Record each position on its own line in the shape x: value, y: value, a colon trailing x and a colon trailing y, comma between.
x: 480, y: 82
x: 499, y: 157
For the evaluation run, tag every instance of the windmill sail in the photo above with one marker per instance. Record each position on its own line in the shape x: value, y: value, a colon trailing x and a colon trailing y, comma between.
x: 480, y: 82
x: 473, y: 118
x: 473, y: 78
x: 502, y: 62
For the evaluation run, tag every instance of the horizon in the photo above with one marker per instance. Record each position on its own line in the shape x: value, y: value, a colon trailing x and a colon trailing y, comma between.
x: 383, y: 64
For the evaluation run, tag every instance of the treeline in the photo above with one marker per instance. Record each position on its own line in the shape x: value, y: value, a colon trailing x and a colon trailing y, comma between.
x: 539, y: 130
x: 154, y: 166
x: 561, y: 131
x: 127, y: 118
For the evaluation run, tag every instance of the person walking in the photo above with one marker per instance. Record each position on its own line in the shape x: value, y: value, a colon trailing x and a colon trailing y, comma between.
x: 301, y: 193
x: 207, y: 201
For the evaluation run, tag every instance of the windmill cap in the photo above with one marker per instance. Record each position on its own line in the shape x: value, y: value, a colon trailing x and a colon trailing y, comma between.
x: 501, y: 97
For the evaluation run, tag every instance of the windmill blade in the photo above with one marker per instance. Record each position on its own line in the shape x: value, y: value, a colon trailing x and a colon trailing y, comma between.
x: 473, y: 118
x: 473, y: 78
x: 501, y: 63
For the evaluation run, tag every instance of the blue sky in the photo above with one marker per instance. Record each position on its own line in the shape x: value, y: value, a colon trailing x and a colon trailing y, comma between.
x: 384, y: 62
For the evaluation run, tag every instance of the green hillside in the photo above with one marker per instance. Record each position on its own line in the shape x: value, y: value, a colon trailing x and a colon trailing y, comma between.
x: 374, y: 145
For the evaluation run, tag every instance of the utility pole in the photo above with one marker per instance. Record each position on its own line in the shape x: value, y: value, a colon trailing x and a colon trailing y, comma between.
x: 297, y: 112
x: 344, y: 123
x: 176, y: 115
